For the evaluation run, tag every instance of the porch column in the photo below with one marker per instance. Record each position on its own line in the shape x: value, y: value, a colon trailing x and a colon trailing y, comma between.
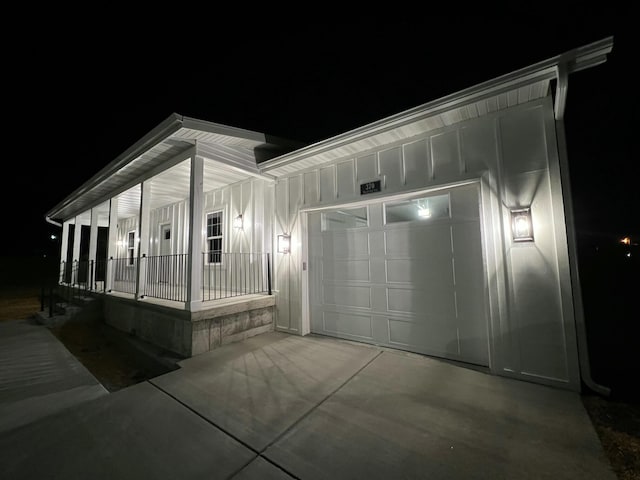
x: 112, y: 243
x: 63, y: 249
x: 76, y: 251
x: 143, y: 241
x: 194, y: 268
x: 93, y: 243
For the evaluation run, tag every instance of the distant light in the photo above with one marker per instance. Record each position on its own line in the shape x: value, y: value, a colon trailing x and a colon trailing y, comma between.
x: 628, y: 254
x: 626, y: 241
x: 53, y: 237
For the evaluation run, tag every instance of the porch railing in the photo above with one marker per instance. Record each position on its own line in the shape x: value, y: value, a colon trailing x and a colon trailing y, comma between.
x: 165, y: 277
x: 124, y: 274
x: 89, y: 275
x: 232, y: 274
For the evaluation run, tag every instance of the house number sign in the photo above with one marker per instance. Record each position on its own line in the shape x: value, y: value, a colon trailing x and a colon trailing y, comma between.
x: 370, y: 187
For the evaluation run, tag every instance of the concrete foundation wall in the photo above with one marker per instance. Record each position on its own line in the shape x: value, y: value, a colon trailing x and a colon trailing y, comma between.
x: 191, y: 333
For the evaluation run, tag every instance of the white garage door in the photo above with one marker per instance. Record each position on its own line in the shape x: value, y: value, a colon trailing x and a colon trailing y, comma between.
x: 406, y: 274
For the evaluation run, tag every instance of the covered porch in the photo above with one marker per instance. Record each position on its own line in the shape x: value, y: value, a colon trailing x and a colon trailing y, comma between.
x: 180, y: 222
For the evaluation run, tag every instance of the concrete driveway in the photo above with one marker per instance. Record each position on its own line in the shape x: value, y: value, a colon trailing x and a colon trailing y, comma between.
x: 278, y: 406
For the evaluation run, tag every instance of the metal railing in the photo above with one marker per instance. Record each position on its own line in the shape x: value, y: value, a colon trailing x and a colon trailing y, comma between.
x: 227, y: 275
x: 86, y: 275
x: 166, y: 276
x: 124, y: 274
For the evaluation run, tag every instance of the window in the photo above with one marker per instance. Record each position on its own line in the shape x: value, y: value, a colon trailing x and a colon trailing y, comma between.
x: 131, y: 247
x: 419, y: 209
x: 345, y: 218
x: 214, y: 237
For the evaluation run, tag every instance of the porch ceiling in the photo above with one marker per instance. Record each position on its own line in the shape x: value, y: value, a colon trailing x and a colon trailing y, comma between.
x: 230, y: 156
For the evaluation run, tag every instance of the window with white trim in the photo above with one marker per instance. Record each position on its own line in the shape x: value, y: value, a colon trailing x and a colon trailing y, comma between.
x: 131, y: 247
x: 214, y: 237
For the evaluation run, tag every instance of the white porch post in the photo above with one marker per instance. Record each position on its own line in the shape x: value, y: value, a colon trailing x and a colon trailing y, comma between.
x: 143, y: 242
x: 93, y: 244
x: 112, y: 243
x: 64, y: 245
x: 75, y: 265
x: 194, y: 269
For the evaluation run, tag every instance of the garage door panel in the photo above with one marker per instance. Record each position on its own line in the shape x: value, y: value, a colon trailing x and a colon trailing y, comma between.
x: 351, y: 325
x: 346, y: 270
x: 422, y: 272
x: 344, y: 245
x: 412, y: 242
x: 436, y: 303
x: 348, y: 296
x: 424, y: 337
x: 412, y: 285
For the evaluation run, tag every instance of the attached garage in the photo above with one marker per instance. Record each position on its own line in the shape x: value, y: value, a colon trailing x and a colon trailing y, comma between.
x: 444, y: 230
x: 404, y: 273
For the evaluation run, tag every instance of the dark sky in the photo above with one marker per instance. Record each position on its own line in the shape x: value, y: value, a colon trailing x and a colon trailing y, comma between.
x: 81, y: 95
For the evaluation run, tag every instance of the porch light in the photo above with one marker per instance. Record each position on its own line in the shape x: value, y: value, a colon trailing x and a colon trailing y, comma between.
x: 521, y: 225
x: 237, y: 222
x: 284, y: 243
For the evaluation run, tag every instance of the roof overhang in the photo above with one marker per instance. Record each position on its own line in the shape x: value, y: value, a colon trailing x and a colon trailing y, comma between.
x: 233, y: 150
x: 521, y: 86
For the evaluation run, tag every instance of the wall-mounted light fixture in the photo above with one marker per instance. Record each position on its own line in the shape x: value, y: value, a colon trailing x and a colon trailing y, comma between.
x: 237, y: 222
x: 521, y: 225
x: 284, y: 243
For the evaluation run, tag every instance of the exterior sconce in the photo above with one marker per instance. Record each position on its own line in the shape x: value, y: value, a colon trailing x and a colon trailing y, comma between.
x: 284, y: 243
x: 237, y: 222
x: 521, y: 225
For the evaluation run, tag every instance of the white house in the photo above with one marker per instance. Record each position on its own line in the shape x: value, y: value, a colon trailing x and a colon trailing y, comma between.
x: 444, y: 230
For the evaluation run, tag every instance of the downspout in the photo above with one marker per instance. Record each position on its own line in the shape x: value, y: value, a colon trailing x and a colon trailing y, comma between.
x: 562, y: 76
x: 52, y: 222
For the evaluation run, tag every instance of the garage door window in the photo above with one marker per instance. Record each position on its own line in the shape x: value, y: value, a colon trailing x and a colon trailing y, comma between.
x: 345, y: 218
x: 418, y: 209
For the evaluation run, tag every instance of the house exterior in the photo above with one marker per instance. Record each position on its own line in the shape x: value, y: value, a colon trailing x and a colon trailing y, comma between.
x: 444, y: 230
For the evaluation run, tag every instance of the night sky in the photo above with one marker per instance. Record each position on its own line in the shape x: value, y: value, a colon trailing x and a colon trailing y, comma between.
x: 82, y: 95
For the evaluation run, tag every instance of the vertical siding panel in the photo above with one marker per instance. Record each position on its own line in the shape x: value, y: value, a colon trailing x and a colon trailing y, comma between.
x: 445, y: 155
x: 391, y: 168
x: 366, y: 168
x: 416, y: 163
x: 478, y: 147
x: 327, y: 184
x: 311, y: 187
x: 256, y: 225
x: 346, y: 180
x: 281, y: 261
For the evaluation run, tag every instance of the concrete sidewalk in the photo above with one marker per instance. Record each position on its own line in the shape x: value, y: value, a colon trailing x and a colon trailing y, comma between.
x: 38, y: 375
x: 282, y: 406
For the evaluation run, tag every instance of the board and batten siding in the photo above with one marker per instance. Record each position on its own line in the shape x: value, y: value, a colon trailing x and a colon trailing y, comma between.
x: 513, y: 154
x: 250, y: 198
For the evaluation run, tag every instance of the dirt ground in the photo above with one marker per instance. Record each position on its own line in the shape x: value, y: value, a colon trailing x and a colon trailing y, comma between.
x: 116, y: 364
